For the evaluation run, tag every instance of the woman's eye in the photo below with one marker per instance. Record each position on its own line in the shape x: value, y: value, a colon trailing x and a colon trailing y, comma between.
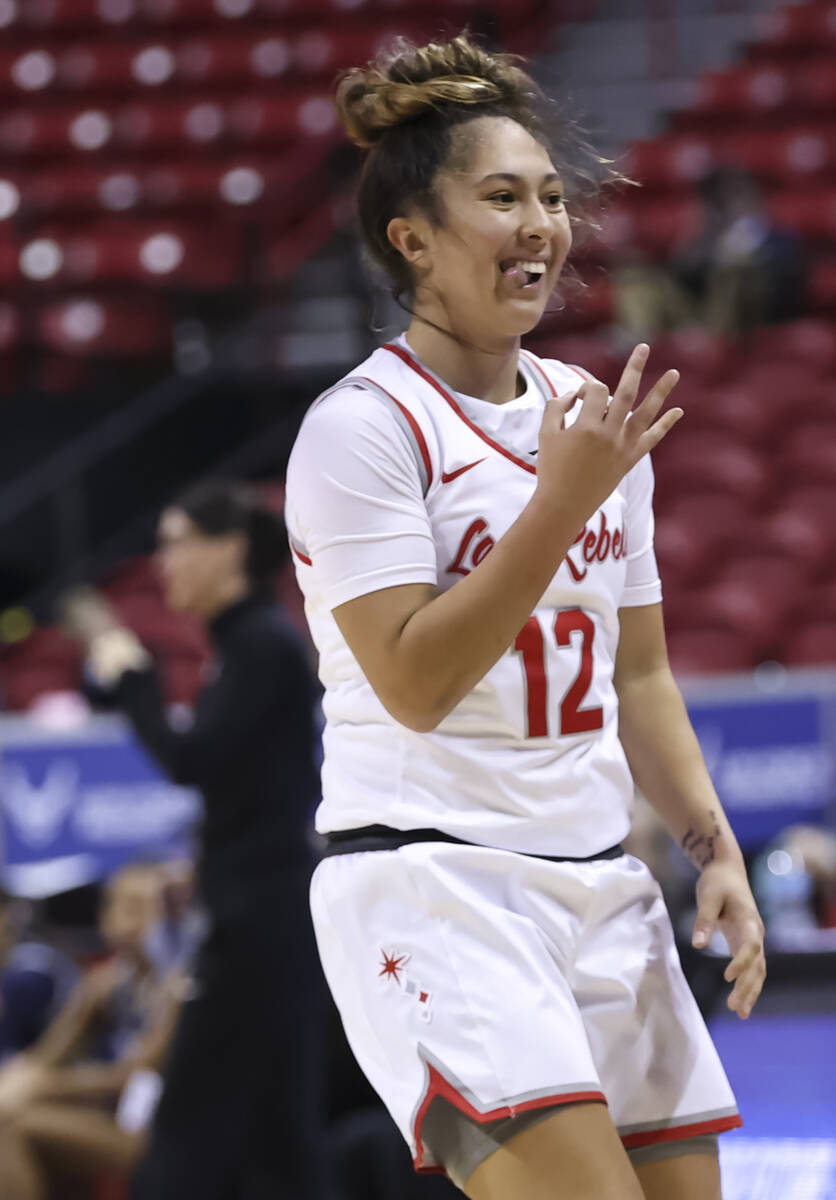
x: 554, y: 199
x: 503, y: 197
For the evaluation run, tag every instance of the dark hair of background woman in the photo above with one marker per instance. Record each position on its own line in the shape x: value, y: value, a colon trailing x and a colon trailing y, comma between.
x: 218, y: 507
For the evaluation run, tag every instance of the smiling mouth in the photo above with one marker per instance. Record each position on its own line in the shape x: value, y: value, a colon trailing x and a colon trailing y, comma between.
x: 521, y: 273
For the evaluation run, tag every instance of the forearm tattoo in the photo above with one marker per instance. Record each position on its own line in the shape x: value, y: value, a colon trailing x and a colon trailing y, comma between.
x: 701, y: 847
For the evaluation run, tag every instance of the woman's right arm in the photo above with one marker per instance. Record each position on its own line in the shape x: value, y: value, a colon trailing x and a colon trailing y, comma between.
x: 422, y: 651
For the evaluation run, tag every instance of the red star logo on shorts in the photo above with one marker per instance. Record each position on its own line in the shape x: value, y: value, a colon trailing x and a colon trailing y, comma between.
x: 391, y: 965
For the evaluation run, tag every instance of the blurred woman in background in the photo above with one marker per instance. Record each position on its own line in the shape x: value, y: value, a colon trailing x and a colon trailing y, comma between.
x: 239, y: 1114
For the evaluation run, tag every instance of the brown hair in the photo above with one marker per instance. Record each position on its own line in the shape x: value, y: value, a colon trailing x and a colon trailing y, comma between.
x: 403, y: 108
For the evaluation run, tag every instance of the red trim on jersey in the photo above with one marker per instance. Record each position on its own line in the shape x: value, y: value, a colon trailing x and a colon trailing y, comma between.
x: 304, y: 558
x: 529, y: 358
x: 413, y: 425
x: 674, y: 1133
x: 437, y: 1085
x: 583, y: 374
x: 410, y: 362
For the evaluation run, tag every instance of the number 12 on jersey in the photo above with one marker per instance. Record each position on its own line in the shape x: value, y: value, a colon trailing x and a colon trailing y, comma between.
x: 530, y: 643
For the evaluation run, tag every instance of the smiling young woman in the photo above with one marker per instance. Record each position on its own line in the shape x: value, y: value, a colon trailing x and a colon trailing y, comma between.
x: 473, y: 532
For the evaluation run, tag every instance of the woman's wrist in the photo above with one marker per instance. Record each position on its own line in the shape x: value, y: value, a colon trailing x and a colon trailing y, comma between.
x: 709, y: 840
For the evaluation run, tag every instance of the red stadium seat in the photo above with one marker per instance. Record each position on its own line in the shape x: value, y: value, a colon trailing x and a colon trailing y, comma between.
x: 35, y: 132
x: 697, y: 354
x: 10, y: 326
x: 780, y: 576
x: 797, y: 29
x: 821, y: 602
x: 811, y: 213
x: 694, y: 551
x: 234, y: 183
x: 743, y: 607
x: 744, y: 90
x: 97, y: 326
x: 735, y: 410
x: 822, y: 287
x: 788, y: 393
x: 673, y: 160
x: 707, y: 460
x: 263, y: 120
x: 124, y: 251
x: 809, y: 455
x: 708, y: 652
x: 811, y: 646
x: 47, y: 661
x: 804, y: 534
x: 809, y: 343
x: 678, y: 160
x: 23, y: 684
x: 705, y: 508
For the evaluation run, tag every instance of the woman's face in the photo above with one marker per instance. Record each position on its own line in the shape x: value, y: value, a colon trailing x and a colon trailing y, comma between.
x: 504, y: 235
x: 196, y: 568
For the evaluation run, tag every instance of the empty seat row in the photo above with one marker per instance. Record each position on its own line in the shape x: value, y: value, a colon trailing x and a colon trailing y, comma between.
x: 796, y: 29
x: 27, y: 16
x: 258, y: 58
x: 175, y: 126
x: 678, y: 160
x: 89, y: 326
x: 232, y: 184
x: 124, y: 251
x: 658, y: 224
x: 755, y: 89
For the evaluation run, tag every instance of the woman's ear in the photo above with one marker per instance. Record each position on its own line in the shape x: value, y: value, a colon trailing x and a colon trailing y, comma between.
x: 409, y: 237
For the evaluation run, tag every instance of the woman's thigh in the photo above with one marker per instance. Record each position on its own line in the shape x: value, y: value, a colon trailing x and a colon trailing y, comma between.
x: 576, y: 1154
x: 687, y: 1177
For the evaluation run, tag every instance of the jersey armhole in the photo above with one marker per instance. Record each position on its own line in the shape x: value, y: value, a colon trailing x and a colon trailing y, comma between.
x: 404, y: 419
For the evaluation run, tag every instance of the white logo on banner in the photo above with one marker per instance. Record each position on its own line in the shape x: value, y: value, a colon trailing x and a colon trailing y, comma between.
x: 38, y: 810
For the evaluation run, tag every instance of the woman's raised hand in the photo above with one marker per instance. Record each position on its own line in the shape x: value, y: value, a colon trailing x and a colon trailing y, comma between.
x: 578, y: 467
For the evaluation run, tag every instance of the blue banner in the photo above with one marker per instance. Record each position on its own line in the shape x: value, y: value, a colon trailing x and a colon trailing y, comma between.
x: 771, y: 760
x: 75, y: 807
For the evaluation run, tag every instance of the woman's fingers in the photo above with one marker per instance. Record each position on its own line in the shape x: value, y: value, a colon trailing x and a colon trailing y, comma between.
x: 747, y: 970
x: 653, y: 436
x: 624, y: 396
x: 748, y: 987
x: 646, y: 413
x: 595, y: 397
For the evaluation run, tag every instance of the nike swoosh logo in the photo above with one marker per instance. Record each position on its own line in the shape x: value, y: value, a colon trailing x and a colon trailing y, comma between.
x: 446, y: 476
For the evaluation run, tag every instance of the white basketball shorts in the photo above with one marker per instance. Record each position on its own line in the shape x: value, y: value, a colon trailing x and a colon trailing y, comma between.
x: 506, y: 983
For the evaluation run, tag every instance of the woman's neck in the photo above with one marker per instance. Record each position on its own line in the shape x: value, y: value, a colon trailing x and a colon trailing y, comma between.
x: 491, y: 375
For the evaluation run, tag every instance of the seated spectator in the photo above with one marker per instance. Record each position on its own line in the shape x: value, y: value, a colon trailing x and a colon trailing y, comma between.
x: 35, y: 981
x: 172, y: 940
x: 737, y: 272
x: 68, y: 1105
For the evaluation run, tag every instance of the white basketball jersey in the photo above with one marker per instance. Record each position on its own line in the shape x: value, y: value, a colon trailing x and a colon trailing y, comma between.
x: 395, y: 479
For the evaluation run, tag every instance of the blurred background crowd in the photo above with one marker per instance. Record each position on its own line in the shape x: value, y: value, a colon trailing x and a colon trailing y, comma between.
x: 179, y: 278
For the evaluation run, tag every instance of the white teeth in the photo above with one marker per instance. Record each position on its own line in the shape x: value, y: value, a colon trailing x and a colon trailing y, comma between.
x: 534, y: 268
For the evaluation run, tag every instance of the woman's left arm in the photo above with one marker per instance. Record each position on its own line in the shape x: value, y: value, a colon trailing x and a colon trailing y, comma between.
x: 668, y: 766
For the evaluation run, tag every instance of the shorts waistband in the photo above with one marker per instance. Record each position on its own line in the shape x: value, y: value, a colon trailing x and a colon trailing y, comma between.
x: 382, y: 837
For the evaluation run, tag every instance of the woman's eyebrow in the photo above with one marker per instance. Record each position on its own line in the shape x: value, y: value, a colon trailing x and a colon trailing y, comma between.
x: 510, y: 177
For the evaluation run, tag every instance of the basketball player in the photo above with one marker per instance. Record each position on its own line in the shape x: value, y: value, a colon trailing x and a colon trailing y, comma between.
x: 473, y: 534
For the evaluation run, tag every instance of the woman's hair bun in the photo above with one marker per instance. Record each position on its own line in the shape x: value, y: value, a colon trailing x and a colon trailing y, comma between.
x: 409, y: 81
